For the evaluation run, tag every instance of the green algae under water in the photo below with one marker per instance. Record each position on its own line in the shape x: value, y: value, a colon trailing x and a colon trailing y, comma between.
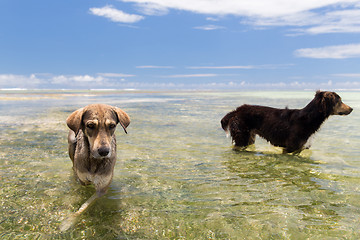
x: 177, y: 176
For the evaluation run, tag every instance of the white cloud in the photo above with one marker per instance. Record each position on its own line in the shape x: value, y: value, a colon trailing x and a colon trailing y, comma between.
x: 18, y: 81
x: 330, y: 21
x: 153, y: 10
x: 308, y: 16
x: 223, y: 67
x: 115, y: 75
x: 260, y: 8
x: 116, y: 15
x: 212, y: 19
x: 265, y: 66
x: 155, y: 67
x: 209, y: 27
x: 345, y: 21
x: 76, y: 79
x: 332, y: 52
x: 49, y: 81
x: 347, y: 75
x: 43, y: 81
x: 86, y: 78
x: 192, y: 75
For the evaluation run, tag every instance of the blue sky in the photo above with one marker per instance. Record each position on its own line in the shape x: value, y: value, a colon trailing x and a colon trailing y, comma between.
x: 187, y: 44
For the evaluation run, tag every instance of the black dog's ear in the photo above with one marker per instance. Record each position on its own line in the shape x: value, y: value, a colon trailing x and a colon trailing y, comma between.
x: 319, y: 94
x: 123, y: 118
x: 331, y: 100
x: 327, y: 102
x: 321, y: 101
x: 74, y: 120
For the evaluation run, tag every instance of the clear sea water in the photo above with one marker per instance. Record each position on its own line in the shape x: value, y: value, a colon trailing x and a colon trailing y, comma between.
x: 177, y: 175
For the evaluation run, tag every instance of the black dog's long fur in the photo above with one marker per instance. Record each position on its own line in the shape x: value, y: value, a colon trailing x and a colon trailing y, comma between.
x: 287, y: 128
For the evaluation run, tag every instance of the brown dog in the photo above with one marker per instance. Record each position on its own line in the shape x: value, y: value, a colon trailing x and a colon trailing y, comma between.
x: 92, y: 143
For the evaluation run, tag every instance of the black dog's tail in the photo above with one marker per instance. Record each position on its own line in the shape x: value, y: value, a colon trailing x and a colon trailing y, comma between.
x: 225, y: 121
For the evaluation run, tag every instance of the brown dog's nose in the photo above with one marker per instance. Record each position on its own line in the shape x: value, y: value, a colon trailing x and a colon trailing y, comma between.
x: 103, y: 151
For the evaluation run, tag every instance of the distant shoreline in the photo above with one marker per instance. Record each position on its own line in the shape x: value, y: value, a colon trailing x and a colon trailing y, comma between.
x: 22, y: 90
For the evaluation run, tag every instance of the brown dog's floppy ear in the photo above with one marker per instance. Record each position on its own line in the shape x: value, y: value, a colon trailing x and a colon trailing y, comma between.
x: 74, y: 120
x: 123, y: 118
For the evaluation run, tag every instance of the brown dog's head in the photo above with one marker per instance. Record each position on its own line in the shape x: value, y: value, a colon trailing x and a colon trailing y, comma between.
x: 98, y: 123
x: 331, y: 103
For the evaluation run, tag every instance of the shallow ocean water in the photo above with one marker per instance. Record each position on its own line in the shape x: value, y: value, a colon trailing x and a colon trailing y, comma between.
x: 177, y: 175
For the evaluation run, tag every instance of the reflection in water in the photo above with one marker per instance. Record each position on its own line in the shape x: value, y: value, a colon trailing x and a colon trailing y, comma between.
x: 176, y: 176
x: 281, y: 181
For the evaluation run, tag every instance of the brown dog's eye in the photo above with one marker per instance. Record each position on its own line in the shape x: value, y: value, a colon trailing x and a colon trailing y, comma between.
x: 90, y: 126
x: 112, y: 126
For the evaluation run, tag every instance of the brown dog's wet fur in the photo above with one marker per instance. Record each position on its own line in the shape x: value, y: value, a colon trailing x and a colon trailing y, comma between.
x: 92, y: 143
x: 287, y: 128
x: 92, y: 149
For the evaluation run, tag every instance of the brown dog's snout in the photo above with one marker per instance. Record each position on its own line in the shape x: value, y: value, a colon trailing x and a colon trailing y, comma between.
x: 103, y: 151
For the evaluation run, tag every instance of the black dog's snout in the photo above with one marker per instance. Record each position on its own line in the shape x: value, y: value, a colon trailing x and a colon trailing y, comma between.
x: 346, y: 112
x: 350, y: 110
x: 103, y: 151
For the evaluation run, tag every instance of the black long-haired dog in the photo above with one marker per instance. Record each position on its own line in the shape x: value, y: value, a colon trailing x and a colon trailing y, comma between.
x: 287, y: 128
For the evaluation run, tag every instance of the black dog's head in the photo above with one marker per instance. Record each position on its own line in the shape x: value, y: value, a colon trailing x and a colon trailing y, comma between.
x: 330, y: 103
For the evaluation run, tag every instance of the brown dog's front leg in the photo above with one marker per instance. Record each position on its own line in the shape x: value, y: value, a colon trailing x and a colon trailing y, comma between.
x: 70, y: 221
